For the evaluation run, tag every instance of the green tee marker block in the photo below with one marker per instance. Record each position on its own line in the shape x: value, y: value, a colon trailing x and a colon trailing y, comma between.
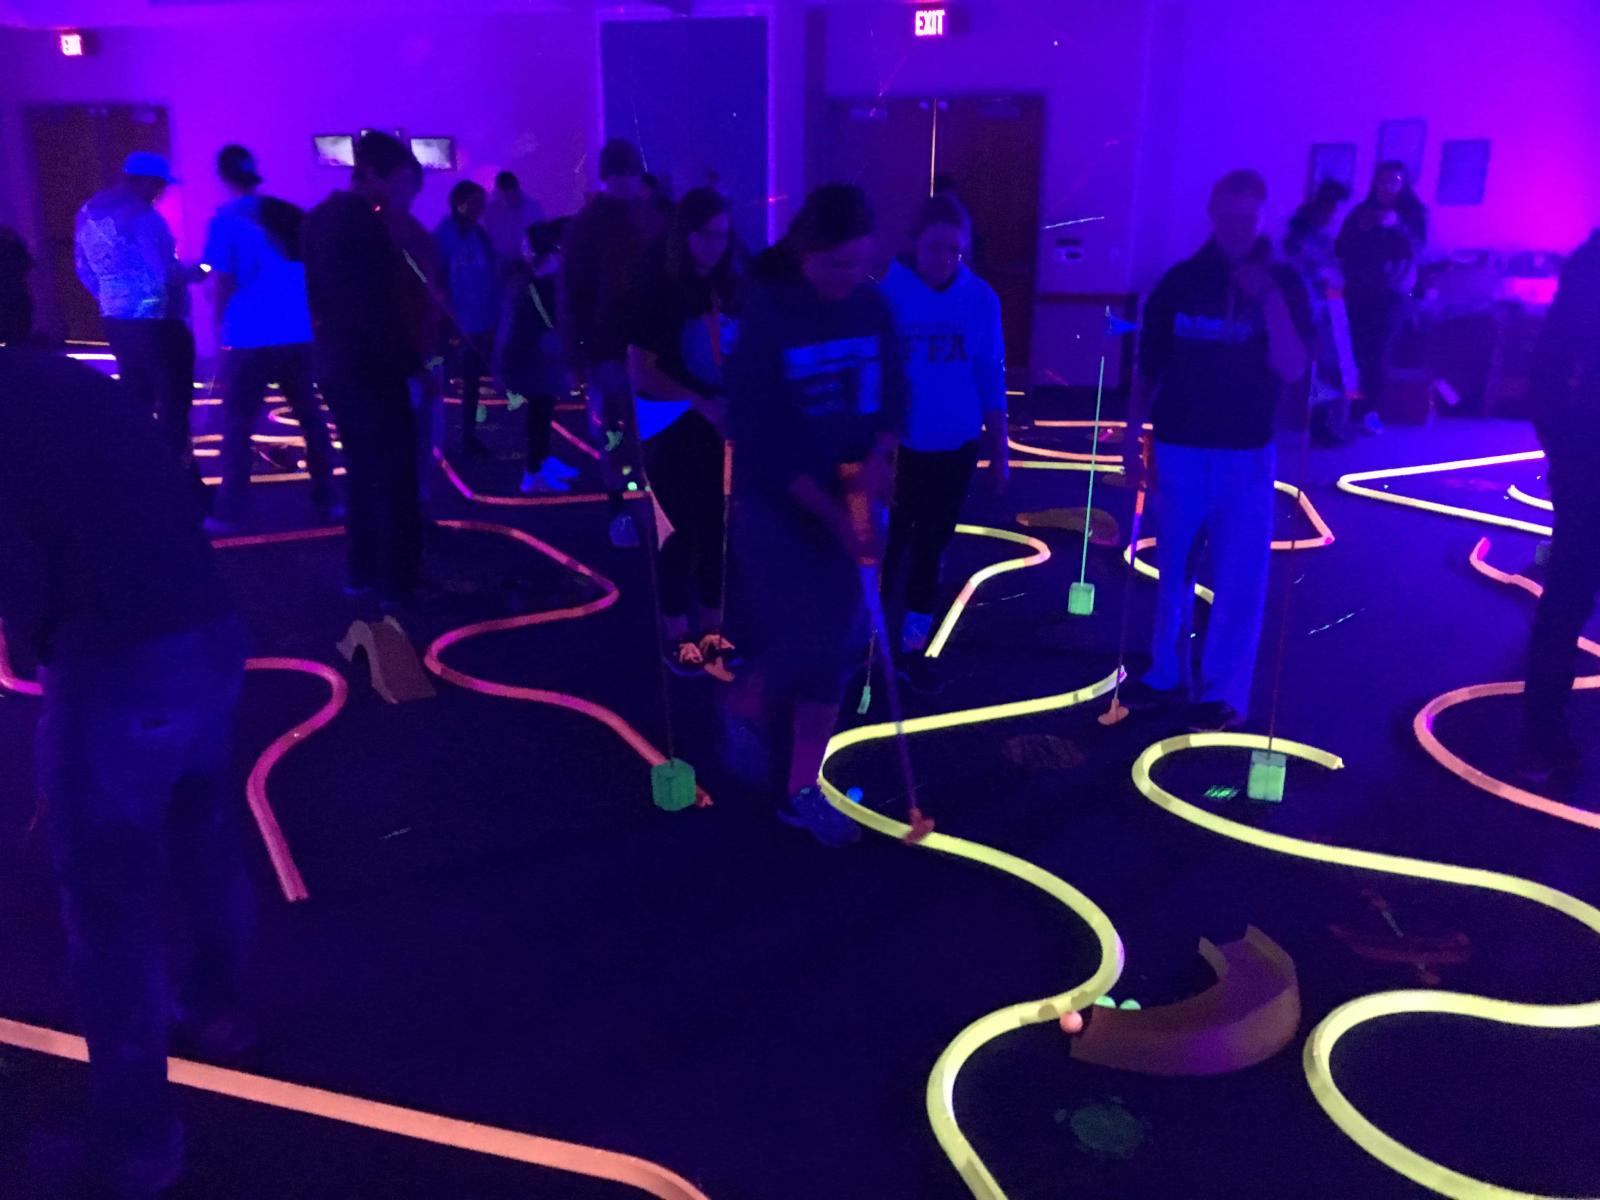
x: 1080, y: 599
x: 672, y: 785
x: 1267, y: 771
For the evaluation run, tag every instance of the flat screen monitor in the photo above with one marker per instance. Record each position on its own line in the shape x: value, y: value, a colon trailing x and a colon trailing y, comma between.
x: 335, y: 149
x: 435, y: 153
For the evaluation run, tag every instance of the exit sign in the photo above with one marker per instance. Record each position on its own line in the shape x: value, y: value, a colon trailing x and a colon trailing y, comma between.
x: 929, y: 22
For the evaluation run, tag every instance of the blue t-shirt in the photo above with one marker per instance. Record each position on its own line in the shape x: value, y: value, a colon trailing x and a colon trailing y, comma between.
x: 472, y: 275
x: 268, y: 304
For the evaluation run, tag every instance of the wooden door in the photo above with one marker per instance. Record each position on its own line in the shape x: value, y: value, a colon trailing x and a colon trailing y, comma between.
x: 78, y: 149
x: 989, y: 148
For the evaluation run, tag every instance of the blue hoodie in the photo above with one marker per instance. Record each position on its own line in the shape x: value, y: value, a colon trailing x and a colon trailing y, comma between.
x: 954, y: 354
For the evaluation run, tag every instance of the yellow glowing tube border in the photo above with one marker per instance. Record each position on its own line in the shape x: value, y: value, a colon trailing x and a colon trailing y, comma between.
x: 1529, y: 499
x: 1353, y: 482
x: 1320, y: 1044
x: 942, y: 1080
x: 1041, y: 554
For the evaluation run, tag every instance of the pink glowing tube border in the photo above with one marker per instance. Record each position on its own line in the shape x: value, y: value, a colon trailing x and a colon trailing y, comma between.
x: 610, y: 594
x: 1422, y: 724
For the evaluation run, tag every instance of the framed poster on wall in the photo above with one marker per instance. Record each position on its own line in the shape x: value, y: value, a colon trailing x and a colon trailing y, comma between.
x: 1404, y: 141
x: 1463, y: 171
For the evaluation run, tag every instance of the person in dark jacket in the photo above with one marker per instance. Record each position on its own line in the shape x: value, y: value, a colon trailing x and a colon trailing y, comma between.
x: 16, y: 302
x: 364, y: 352
x: 109, y: 585
x: 816, y: 396
x: 1378, y: 245
x: 1566, y: 395
x: 684, y: 325
x: 528, y: 357
x: 1223, y: 333
x: 601, y: 254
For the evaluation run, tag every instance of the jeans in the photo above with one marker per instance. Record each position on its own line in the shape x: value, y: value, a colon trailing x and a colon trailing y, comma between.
x: 246, y: 374
x: 133, y: 752
x: 469, y: 360
x: 930, y: 487
x: 684, y: 465
x: 541, y: 411
x: 1222, y: 498
x: 1571, y: 584
x: 155, y: 362
x: 383, y: 521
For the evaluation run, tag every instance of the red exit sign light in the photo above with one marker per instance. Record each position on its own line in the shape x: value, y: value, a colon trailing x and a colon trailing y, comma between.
x: 929, y: 22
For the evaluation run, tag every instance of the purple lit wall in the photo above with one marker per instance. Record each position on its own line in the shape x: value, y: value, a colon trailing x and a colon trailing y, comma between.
x: 1256, y: 82
x: 515, y: 91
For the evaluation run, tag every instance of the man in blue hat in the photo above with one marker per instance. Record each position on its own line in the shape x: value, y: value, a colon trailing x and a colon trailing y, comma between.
x: 125, y: 255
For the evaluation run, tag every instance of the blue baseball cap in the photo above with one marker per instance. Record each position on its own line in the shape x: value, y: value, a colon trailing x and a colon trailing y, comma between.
x: 144, y: 164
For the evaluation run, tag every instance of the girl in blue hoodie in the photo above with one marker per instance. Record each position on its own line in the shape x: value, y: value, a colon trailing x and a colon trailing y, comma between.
x: 948, y: 321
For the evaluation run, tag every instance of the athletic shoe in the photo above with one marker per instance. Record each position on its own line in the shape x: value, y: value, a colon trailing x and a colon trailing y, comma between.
x: 541, y: 483
x: 686, y: 660
x: 915, y: 630
x: 216, y: 527
x: 809, y: 809
x: 1214, y: 716
x: 556, y: 469
x: 1372, y: 423
x: 1138, y: 696
x: 328, y: 513
x: 624, y: 534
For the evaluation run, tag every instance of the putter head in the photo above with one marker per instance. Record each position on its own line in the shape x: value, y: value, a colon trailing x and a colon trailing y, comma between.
x: 921, y: 827
x: 1115, y: 713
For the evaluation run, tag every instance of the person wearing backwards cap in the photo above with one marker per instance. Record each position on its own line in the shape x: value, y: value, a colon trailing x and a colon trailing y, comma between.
x: 263, y: 331
x: 125, y: 255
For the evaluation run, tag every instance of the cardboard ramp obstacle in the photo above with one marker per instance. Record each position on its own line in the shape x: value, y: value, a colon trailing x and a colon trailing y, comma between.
x: 1247, y: 1016
x: 392, y: 661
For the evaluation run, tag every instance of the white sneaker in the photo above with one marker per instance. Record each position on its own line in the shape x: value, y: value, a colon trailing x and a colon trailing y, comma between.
x: 554, y: 468
x: 539, y: 483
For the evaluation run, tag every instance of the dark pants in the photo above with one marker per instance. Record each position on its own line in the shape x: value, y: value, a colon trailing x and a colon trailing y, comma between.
x: 1376, y: 316
x: 929, y: 488
x: 469, y: 361
x: 684, y: 465
x: 1570, y: 586
x: 541, y: 411
x: 155, y: 360
x: 133, y: 751
x: 383, y: 521
x: 246, y: 374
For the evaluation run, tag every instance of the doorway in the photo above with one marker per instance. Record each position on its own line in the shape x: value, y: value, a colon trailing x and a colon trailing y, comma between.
x: 78, y: 149
x: 988, y: 149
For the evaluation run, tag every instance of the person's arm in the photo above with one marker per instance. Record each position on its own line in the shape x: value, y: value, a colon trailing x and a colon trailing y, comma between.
x: 989, y: 371
x: 1154, y: 355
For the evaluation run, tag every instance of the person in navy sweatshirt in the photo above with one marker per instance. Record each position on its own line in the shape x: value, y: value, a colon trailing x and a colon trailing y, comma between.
x: 1224, y: 333
x: 949, y: 325
x: 816, y: 392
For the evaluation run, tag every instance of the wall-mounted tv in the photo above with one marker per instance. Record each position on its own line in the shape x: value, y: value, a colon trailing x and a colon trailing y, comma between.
x: 334, y: 149
x: 435, y: 153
